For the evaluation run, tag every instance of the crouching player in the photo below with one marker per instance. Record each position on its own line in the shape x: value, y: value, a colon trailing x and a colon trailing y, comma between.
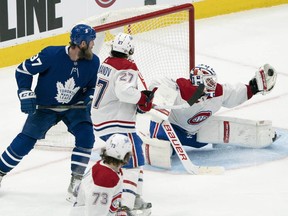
x: 99, y: 193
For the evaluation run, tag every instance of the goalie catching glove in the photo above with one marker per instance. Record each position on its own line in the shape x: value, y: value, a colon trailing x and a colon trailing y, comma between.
x: 27, y: 100
x: 145, y: 102
x: 264, y: 80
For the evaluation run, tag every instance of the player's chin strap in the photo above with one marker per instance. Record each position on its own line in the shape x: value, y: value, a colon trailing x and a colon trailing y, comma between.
x: 175, y: 142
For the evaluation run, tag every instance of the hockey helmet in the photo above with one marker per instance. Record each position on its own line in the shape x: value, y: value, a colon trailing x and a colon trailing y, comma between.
x: 123, y: 43
x: 204, y: 74
x: 82, y: 32
x: 117, y: 146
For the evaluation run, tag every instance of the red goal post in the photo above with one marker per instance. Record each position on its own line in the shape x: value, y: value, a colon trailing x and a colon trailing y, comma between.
x: 164, y: 46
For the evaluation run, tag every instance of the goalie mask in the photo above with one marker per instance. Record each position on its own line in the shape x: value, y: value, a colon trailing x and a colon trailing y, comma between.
x: 118, y: 146
x: 123, y: 43
x: 204, y: 74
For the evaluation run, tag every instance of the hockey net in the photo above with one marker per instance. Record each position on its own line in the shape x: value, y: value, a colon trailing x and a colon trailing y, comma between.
x: 164, y: 46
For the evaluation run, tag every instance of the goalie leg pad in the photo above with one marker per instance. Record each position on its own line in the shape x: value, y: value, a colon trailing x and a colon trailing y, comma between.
x: 158, y: 153
x: 237, y: 132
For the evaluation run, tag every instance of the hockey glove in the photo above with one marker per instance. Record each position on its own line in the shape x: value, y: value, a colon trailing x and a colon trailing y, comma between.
x: 123, y: 211
x: 27, y: 100
x: 264, y: 80
x: 145, y: 102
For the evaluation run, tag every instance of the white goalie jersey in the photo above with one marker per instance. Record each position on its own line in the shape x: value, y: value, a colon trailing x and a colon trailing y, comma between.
x: 192, y: 118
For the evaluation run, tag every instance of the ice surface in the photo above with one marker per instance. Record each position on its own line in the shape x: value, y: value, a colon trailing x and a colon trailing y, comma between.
x: 255, y: 182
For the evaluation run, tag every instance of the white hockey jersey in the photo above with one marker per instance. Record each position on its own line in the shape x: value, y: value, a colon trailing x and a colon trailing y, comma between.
x: 192, y: 118
x: 116, y: 96
x: 99, y: 192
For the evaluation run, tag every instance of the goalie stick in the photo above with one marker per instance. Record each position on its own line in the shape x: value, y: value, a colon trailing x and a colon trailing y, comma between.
x: 189, y: 103
x: 186, y: 162
x: 178, y: 147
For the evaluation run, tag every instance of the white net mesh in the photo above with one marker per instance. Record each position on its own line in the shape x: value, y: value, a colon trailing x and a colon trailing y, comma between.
x: 57, y: 138
x: 161, y: 43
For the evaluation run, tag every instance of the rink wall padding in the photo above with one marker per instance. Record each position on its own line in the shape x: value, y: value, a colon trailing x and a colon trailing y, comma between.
x: 203, y: 9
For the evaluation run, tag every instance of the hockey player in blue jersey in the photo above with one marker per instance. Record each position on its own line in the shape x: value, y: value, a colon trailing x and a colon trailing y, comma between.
x: 66, y: 76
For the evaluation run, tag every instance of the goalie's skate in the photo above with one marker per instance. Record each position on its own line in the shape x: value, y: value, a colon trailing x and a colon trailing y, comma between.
x: 276, y: 136
x: 72, y: 189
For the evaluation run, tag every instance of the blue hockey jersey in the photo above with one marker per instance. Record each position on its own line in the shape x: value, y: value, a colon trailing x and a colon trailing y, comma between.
x: 60, y: 80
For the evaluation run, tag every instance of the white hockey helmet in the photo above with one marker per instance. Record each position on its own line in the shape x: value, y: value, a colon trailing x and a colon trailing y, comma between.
x: 117, y: 146
x: 204, y: 74
x: 123, y: 43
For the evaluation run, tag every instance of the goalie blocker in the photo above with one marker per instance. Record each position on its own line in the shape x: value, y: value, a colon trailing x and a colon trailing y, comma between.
x: 218, y: 130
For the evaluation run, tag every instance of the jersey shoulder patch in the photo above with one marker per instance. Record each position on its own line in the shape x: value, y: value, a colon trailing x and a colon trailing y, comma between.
x: 104, y: 176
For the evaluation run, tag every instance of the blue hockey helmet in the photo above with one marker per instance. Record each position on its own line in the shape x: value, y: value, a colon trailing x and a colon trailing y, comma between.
x: 82, y: 32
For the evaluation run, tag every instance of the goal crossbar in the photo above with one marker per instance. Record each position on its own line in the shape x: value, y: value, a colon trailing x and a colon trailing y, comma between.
x: 138, y: 18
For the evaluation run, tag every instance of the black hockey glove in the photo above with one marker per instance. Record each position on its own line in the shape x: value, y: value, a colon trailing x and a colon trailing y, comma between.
x: 253, y: 85
x: 145, y: 102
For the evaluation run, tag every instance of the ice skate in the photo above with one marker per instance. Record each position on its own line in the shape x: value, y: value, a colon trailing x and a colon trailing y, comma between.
x: 72, y: 191
x: 141, y: 204
x: 124, y: 211
x: 141, y: 208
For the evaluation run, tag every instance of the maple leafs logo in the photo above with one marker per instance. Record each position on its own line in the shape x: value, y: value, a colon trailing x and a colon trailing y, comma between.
x: 66, y: 92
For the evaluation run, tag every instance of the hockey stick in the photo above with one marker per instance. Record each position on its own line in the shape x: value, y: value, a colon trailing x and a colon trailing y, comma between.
x: 186, y: 162
x: 198, y: 93
x: 80, y: 106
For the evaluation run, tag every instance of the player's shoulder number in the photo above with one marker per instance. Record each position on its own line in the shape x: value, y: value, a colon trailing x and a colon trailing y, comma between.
x: 36, y: 60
